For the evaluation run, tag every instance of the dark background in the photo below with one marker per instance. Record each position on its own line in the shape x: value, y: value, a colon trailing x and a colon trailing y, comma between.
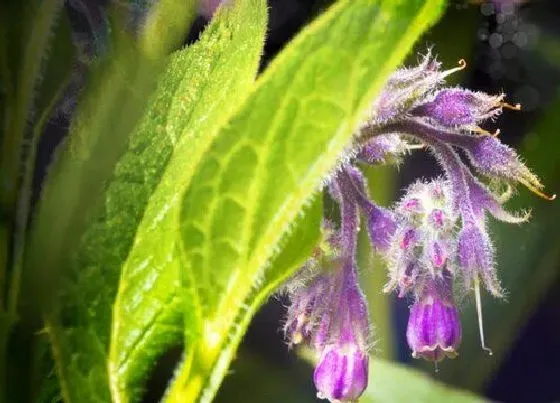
x: 504, y: 50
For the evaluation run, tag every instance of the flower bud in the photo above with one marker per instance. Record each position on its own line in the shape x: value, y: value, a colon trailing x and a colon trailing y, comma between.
x: 497, y: 160
x: 342, y: 373
x: 307, y: 306
x: 475, y: 256
x: 407, y: 88
x: 437, y: 254
x: 341, y: 341
x: 483, y: 200
x: 379, y: 149
x: 381, y: 226
x: 437, y: 218
x: 434, y: 327
x: 409, y: 239
x: 458, y: 107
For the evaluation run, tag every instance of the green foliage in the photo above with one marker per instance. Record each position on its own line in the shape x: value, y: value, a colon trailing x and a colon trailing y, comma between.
x: 193, y: 106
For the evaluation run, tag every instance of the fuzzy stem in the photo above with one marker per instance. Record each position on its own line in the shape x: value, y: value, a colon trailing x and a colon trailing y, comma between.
x: 439, y: 141
x: 349, y: 215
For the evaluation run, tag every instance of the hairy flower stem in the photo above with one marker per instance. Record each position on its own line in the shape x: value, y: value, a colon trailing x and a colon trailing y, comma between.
x: 349, y: 214
x: 445, y: 154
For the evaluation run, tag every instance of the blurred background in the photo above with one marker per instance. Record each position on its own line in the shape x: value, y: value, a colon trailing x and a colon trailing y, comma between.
x: 509, y: 46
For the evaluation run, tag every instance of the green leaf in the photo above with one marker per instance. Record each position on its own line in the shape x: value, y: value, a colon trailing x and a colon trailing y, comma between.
x: 266, y: 165
x: 166, y: 25
x: 39, y: 18
x: 75, y: 294
x: 206, y: 84
x: 527, y: 263
x: 389, y: 382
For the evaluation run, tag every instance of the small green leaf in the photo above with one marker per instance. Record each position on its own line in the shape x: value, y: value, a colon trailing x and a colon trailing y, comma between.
x: 266, y: 165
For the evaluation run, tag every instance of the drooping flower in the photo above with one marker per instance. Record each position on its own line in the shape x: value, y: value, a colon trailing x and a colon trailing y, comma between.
x: 435, y: 238
x: 342, y: 370
x: 434, y: 326
x: 328, y: 310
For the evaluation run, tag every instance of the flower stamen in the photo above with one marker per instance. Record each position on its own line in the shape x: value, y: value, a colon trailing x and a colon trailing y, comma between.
x: 462, y: 65
x: 505, y: 105
x: 482, y: 132
x: 536, y: 190
x: 479, y: 314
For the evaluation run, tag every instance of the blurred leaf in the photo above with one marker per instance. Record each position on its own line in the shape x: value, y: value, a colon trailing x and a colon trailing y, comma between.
x: 57, y: 67
x: 389, y: 382
x: 275, y: 384
x: 78, y: 324
x: 528, y: 259
x: 39, y: 18
x: 166, y: 26
x: 200, y: 90
x: 267, y: 164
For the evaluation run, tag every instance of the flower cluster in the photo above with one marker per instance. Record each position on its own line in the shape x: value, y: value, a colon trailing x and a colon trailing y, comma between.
x: 434, y: 239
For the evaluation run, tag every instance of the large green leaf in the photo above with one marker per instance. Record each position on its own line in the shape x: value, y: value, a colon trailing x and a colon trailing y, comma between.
x: 527, y: 263
x: 208, y: 82
x: 78, y: 318
x: 270, y: 160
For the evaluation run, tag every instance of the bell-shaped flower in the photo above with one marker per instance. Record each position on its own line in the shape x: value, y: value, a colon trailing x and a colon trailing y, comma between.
x: 341, y: 374
x: 434, y: 326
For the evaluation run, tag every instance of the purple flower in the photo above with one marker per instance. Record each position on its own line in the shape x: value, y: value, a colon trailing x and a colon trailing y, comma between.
x: 307, y: 307
x: 422, y: 242
x: 328, y: 310
x: 483, y: 200
x: 434, y: 327
x: 342, y: 373
x: 382, y: 149
x: 452, y: 107
x: 494, y: 159
x: 407, y: 88
x: 435, y: 235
